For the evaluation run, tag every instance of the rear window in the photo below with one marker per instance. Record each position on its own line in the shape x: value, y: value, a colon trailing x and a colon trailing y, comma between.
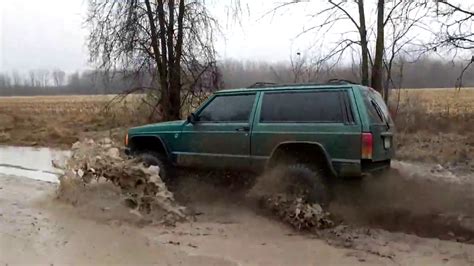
x: 378, y: 111
x: 302, y: 107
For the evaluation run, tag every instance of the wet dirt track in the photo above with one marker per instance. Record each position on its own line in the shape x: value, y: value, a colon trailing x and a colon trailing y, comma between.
x: 36, y: 228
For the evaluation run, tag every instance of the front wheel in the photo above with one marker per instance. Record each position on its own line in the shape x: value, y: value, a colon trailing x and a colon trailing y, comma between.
x: 153, y: 158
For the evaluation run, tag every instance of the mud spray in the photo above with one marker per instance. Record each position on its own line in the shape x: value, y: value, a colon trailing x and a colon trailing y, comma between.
x: 416, y: 199
x: 427, y: 201
x: 100, y: 181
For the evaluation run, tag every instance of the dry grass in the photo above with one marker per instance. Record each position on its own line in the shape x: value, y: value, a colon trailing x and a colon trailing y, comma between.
x: 447, y: 101
x: 435, y: 125
x: 436, y: 110
x: 61, y: 120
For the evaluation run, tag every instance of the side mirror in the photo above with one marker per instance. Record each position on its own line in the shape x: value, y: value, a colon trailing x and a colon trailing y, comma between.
x: 192, y: 118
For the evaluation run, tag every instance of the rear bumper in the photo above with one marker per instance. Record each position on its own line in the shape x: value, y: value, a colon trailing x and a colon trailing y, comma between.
x: 347, y: 168
x: 356, y: 168
x: 372, y: 167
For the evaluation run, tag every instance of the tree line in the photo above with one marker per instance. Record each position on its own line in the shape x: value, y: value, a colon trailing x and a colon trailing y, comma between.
x: 423, y: 73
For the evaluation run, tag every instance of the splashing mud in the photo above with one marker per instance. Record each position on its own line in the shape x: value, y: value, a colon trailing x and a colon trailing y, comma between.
x: 97, y: 174
x: 424, y: 200
x: 415, y: 199
x: 273, y: 191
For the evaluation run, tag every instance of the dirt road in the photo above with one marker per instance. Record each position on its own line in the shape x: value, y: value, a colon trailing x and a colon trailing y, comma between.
x: 36, y: 228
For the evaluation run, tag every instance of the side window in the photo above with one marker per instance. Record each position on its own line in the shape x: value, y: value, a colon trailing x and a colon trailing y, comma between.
x: 374, y: 111
x: 232, y: 108
x: 377, y: 109
x: 302, y: 107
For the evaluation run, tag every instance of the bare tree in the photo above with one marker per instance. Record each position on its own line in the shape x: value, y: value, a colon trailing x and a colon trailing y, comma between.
x: 165, y: 38
x: 457, y: 21
x: 377, y: 69
x: 370, y: 48
x: 362, y: 29
x: 58, y: 77
x: 305, y: 67
x: 32, y: 78
x: 456, y: 30
x: 399, y: 26
x: 5, y: 80
x: 16, y: 79
x: 74, y: 81
x: 43, y: 77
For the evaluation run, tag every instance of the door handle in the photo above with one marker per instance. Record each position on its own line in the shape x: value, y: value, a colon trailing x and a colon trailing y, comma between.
x: 246, y: 129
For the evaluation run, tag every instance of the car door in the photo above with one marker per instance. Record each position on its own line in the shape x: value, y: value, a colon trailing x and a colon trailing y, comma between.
x: 220, y: 138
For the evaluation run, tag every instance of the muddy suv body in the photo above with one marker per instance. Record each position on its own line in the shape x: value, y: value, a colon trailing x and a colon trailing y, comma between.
x: 343, y: 129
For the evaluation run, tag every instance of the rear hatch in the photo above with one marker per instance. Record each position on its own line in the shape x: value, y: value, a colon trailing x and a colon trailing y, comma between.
x: 381, y: 125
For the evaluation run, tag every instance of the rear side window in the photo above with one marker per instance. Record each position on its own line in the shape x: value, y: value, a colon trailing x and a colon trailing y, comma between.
x: 231, y: 108
x: 302, y: 107
x: 376, y: 107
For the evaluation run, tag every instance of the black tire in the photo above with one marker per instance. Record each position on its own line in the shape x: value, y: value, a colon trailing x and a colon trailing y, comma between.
x: 167, y: 171
x: 304, y: 181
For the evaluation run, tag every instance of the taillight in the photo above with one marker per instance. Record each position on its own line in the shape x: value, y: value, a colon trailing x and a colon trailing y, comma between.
x: 367, y: 145
x: 126, y: 140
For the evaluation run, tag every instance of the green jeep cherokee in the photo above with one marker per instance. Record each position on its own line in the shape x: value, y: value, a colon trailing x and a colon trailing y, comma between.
x: 344, y: 130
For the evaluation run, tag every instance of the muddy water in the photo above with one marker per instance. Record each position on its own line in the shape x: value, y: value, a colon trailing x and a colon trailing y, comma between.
x: 33, y: 163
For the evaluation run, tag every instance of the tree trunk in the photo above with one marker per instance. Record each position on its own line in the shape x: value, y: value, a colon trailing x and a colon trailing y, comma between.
x: 363, y: 44
x: 175, y: 81
x: 377, y: 70
x: 173, y: 113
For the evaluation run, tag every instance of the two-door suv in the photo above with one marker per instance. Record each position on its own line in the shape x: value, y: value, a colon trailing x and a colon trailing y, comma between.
x: 337, y: 129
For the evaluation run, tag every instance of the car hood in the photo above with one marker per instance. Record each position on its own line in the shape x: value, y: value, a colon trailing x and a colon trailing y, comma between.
x: 157, y: 128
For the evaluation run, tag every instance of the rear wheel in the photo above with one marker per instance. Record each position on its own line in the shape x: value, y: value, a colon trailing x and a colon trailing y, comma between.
x: 306, y: 182
x: 153, y: 158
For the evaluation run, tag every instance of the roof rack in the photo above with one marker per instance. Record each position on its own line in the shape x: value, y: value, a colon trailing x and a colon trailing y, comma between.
x: 263, y: 84
x: 340, y: 81
x: 272, y: 84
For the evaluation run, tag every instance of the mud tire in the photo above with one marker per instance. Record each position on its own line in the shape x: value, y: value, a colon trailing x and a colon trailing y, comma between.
x: 167, y: 171
x: 301, y: 180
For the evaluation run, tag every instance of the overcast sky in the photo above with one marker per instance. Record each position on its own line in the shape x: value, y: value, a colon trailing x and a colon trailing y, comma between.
x: 51, y: 33
x: 42, y: 34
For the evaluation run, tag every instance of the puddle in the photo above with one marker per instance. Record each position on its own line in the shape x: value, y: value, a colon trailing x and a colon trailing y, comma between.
x: 34, y: 163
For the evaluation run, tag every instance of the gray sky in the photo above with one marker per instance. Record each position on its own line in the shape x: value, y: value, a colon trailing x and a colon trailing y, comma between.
x: 51, y: 34
x: 42, y: 34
